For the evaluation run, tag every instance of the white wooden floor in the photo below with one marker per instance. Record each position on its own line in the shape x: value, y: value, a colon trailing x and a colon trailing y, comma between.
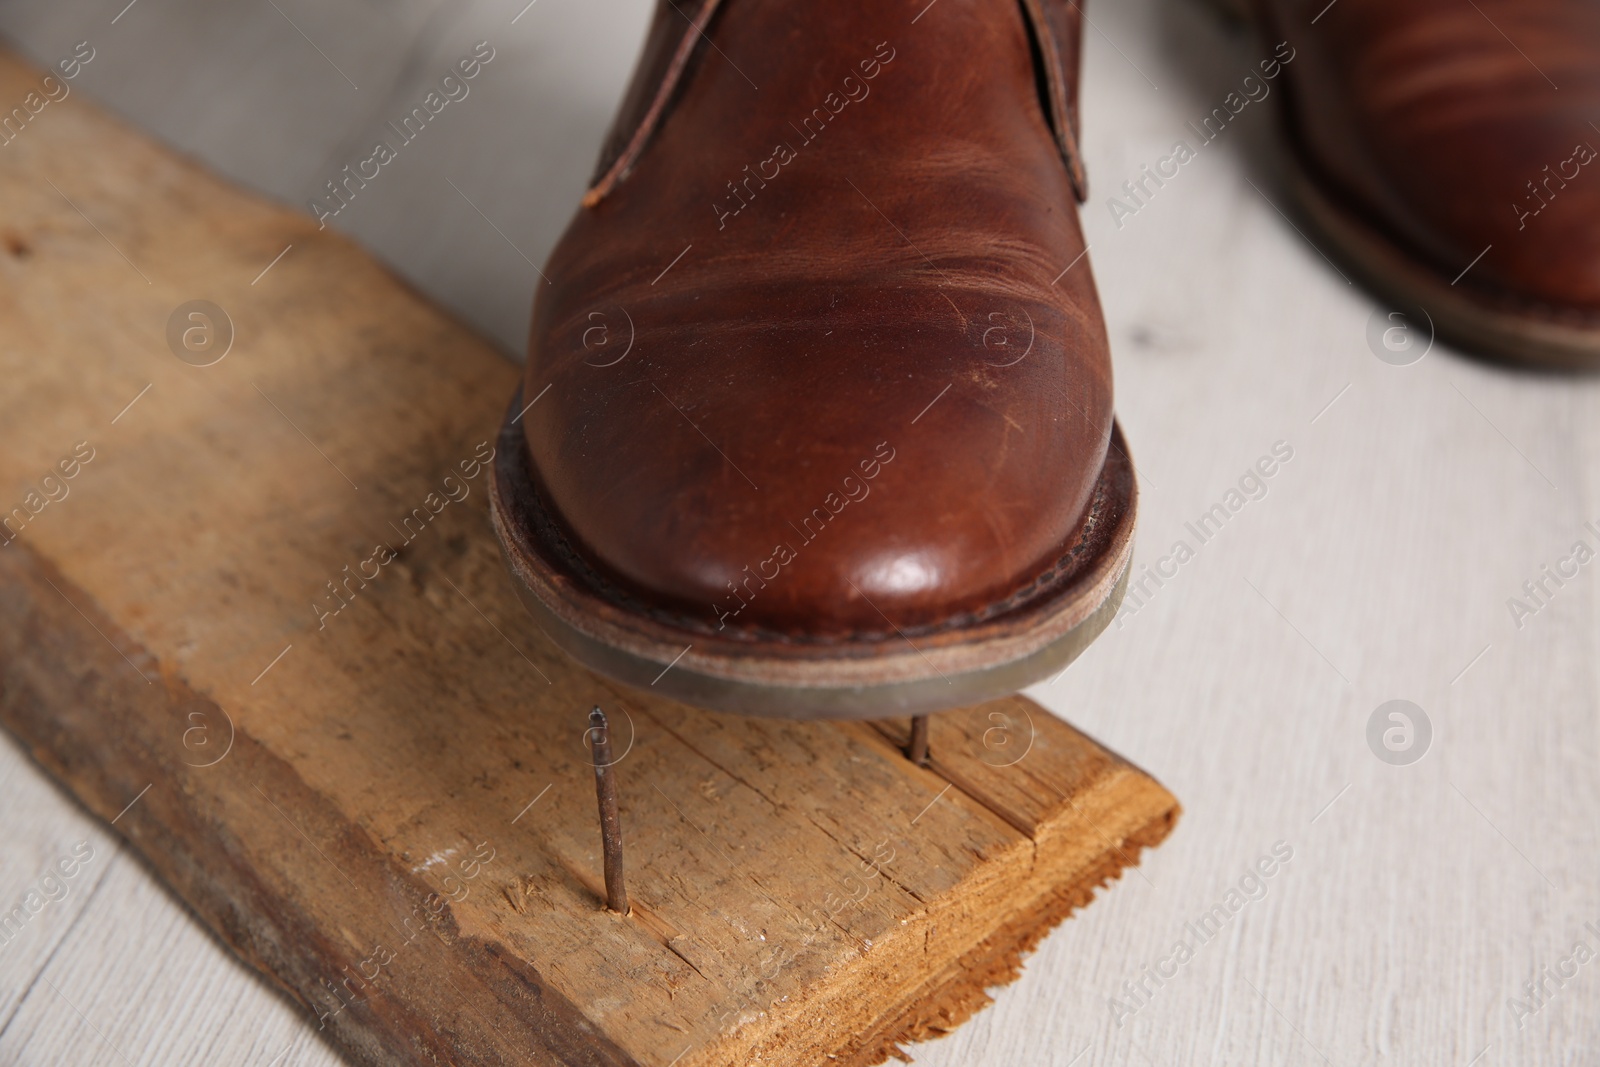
x: 1376, y: 563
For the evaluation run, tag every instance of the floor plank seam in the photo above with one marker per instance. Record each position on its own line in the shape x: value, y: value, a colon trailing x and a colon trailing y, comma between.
x: 73, y: 925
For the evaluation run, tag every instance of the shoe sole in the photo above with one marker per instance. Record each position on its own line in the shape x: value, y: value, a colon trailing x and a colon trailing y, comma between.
x: 928, y: 669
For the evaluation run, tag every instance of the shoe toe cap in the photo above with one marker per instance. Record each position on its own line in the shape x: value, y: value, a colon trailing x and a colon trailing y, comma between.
x: 829, y: 479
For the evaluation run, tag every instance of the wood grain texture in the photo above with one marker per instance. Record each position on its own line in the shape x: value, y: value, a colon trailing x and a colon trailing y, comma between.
x: 260, y: 622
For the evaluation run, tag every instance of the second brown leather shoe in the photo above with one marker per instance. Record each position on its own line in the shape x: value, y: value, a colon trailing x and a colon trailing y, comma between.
x: 1447, y: 149
x: 817, y: 418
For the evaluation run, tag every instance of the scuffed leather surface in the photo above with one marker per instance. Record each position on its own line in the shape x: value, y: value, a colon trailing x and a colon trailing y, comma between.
x: 1430, y: 117
x: 904, y: 249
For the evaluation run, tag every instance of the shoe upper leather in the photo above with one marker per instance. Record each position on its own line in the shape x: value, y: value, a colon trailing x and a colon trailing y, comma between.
x: 821, y: 355
x: 1458, y: 126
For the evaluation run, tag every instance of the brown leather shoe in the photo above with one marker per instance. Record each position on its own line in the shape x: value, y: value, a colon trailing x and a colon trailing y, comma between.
x: 1448, y: 150
x: 817, y: 419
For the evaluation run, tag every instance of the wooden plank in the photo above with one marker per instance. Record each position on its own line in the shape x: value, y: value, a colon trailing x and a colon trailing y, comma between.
x: 365, y: 770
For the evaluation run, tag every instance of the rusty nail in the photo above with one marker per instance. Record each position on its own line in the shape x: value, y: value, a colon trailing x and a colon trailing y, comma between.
x: 917, y: 751
x: 605, y: 791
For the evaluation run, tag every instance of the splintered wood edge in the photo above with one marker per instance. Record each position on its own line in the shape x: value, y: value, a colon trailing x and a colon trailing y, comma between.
x: 955, y: 994
x: 962, y: 989
x: 1017, y: 900
x: 984, y: 926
